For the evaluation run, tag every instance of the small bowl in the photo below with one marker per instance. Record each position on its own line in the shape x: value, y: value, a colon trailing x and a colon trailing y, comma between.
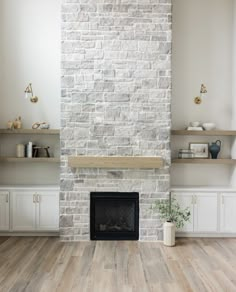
x: 209, y: 126
x: 195, y: 124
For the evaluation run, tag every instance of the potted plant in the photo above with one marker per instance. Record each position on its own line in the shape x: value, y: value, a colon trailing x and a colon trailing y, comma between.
x: 173, y: 216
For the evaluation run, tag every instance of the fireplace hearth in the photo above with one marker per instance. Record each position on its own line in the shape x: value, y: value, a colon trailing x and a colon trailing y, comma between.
x: 114, y: 216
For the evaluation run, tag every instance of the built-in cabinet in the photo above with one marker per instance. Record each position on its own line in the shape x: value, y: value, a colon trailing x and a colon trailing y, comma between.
x: 47, y: 210
x: 228, y: 212
x: 186, y: 201
x: 23, y: 211
x: 212, y: 212
x: 29, y: 209
x: 29, y: 206
x: 4, y: 211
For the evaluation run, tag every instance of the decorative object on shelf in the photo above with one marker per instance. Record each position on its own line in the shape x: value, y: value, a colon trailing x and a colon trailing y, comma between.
x: 195, y: 126
x: 195, y: 129
x: 17, y: 124
x: 203, y: 92
x: 209, y: 126
x: 29, y: 150
x: 185, y: 153
x: 201, y: 150
x: 29, y: 91
x: 36, y: 150
x: 215, y: 148
x: 10, y: 125
x: 42, y: 125
x: 170, y: 211
x: 20, y: 150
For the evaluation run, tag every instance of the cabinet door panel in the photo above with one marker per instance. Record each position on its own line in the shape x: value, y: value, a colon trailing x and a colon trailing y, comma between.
x: 205, y: 212
x: 23, y: 211
x: 185, y: 200
x: 48, y: 211
x: 4, y: 211
x: 228, y: 212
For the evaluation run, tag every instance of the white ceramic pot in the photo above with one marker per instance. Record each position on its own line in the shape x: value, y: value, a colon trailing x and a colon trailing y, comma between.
x: 209, y: 126
x: 169, y: 233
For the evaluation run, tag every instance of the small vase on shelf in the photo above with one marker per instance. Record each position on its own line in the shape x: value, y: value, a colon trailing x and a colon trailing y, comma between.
x: 215, y: 149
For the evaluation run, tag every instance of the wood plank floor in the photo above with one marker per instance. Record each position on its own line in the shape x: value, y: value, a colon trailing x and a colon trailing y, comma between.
x: 46, y: 264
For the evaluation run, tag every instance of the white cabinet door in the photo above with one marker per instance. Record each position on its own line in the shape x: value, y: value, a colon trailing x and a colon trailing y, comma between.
x: 205, y: 212
x: 186, y: 200
x: 47, y: 210
x: 4, y: 211
x: 228, y: 212
x: 23, y: 211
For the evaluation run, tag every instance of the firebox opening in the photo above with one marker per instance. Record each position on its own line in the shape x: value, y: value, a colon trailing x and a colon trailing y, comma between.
x: 114, y: 216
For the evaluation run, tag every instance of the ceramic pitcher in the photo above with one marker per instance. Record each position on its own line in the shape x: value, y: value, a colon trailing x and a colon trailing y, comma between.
x: 215, y: 149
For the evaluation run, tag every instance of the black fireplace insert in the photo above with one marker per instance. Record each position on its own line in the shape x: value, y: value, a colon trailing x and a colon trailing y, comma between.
x: 114, y: 216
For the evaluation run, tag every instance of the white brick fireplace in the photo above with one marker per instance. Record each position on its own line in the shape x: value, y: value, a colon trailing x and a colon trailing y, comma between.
x: 116, y: 90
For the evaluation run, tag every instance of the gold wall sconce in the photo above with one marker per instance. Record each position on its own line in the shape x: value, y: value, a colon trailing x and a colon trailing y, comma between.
x: 29, y: 91
x: 203, y: 92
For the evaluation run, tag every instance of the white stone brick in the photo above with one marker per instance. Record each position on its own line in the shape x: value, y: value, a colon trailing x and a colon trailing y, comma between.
x: 115, y: 100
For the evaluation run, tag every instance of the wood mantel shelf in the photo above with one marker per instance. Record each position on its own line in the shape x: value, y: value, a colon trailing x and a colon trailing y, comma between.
x: 115, y: 162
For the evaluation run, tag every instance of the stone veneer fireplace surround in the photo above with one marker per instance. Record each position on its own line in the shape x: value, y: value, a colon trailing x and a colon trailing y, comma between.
x: 116, y: 90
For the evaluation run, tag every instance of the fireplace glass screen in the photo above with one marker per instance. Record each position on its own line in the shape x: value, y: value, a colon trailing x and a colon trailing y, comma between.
x: 114, y: 216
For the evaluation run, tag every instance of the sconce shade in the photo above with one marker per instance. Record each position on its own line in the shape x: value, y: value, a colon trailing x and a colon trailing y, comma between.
x: 203, y: 94
x: 29, y: 91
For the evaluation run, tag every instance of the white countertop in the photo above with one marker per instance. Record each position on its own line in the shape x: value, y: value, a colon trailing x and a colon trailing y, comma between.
x: 30, y: 187
x: 203, y: 188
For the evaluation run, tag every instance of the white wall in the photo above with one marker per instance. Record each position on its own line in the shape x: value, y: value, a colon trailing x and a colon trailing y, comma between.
x: 233, y: 178
x: 202, y: 53
x: 30, y: 52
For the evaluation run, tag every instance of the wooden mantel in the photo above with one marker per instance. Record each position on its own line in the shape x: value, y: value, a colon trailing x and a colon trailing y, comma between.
x: 115, y: 162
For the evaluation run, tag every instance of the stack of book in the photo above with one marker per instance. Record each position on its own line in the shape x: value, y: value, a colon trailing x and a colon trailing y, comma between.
x: 195, y: 128
x: 186, y: 153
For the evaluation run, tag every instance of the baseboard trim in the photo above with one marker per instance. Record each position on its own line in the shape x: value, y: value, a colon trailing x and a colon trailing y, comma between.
x: 205, y: 235
x: 55, y: 234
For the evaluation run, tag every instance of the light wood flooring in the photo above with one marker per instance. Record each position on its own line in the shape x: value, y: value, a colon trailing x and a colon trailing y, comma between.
x: 46, y: 264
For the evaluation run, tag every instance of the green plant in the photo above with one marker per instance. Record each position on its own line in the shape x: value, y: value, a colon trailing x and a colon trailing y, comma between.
x: 170, y: 210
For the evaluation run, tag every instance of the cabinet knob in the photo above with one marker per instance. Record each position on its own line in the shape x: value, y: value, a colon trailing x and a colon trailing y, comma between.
x: 38, y: 198
x: 34, y: 198
x: 7, y: 198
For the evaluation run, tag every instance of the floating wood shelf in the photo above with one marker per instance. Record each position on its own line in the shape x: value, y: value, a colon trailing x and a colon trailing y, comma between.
x: 205, y: 161
x: 115, y: 162
x: 31, y: 131
x: 203, y: 133
x: 33, y: 160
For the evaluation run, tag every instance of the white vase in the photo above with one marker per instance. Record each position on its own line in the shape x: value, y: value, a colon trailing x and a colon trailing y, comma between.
x: 169, y: 233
